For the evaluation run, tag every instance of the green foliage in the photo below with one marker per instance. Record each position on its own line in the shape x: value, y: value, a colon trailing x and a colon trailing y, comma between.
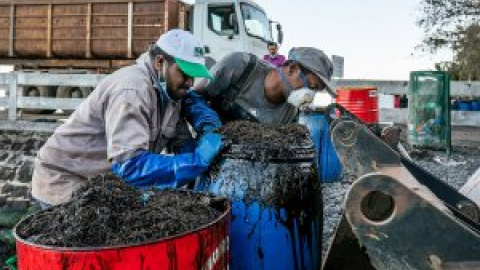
x: 453, y: 24
x: 444, y: 21
x: 468, y: 54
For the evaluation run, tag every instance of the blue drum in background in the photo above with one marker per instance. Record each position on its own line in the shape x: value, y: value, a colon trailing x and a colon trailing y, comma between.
x: 465, y: 106
x: 328, y: 163
x: 454, y: 105
x: 476, y: 105
x: 277, y: 210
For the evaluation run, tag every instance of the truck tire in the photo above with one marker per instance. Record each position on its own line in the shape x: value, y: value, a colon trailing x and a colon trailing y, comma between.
x: 37, y: 91
x: 72, y: 92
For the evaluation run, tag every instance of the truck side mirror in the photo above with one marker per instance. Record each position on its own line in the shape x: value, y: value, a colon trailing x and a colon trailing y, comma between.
x: 280, y: 33
x: 232, y: 20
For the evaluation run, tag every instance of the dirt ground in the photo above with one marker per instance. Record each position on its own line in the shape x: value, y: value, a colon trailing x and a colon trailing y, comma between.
x: 466, y: 136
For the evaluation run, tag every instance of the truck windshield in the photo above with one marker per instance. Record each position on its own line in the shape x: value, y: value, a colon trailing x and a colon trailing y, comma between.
x: 256, y: 22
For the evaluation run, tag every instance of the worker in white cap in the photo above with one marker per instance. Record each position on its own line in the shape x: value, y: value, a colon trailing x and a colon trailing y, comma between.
x: 130, y: 121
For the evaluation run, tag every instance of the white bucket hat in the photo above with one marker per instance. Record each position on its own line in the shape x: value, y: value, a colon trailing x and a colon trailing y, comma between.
x: 187, y: 51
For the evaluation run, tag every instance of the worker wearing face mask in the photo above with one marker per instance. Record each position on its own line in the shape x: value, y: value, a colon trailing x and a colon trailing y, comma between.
x: 134, y: 125
x: 248, y: 88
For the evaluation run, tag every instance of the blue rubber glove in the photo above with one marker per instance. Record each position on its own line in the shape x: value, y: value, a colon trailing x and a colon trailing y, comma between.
x: 208, y: 129
x: 209, y: 147
x: 198, y: 113
x: 149, y: 169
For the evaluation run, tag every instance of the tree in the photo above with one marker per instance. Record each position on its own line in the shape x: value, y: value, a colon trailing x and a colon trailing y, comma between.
x: 445, y: 21
x: 453, y: 24
x: 466, y: 64
x: 468, y: 54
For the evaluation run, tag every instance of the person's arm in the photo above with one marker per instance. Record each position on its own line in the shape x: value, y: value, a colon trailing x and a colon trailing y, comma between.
x: 127, y: 131
x: 199, y: 114
x: 225, y: 72
x: 149, y: 169
x: 183, y: 141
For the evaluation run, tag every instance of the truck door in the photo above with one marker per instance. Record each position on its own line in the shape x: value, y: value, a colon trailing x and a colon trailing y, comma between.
x: 221, y: 32
x: 257, y: 28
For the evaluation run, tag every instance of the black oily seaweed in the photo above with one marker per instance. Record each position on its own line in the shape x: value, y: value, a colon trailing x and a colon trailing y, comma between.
x: 245, y: 132
x: 106, y: 212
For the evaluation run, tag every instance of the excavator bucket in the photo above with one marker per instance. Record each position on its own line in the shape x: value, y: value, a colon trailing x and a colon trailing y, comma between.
x: 397, y: 215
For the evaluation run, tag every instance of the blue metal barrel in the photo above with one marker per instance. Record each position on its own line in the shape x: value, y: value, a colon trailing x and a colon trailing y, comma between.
x: 465, y: 106
x: 476, y: 105
x: 277, y: 214
x: 328, y: 163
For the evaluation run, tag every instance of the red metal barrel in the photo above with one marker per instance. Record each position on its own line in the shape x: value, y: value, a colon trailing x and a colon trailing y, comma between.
x: 206, y: 248
x: 361, y: 101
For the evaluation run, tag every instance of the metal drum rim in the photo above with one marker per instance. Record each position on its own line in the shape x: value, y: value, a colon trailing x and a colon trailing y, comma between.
x: 225, y: 215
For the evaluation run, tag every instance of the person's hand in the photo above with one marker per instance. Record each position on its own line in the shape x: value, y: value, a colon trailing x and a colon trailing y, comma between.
x: 209, y: 147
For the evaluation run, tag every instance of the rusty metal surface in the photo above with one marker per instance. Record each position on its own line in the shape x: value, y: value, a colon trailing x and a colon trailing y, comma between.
x: 345, y: 253
x: 415, y: 229
x: 96, y: 64
x: 362, y: 152
x: 86, y: 29
x: 468, y: 211
x: 404, y: 217
x: 359, y: 150
x: 35, y: 2
x: 437, y: 264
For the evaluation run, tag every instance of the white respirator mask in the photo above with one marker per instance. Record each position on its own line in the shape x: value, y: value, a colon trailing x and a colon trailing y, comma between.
x: 301, y: 96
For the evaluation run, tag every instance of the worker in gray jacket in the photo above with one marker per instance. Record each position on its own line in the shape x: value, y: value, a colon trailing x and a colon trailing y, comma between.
x: 128, y: 123
x: 249, y: 88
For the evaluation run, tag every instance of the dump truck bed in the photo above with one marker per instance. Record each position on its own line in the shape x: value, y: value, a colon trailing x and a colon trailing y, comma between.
x: 88, y: 29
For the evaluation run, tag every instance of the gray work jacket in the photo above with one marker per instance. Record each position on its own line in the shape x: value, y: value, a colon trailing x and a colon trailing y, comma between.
x: 121, y: 117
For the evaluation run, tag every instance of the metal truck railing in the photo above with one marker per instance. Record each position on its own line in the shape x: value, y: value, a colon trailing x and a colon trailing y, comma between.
x: 13, y: 82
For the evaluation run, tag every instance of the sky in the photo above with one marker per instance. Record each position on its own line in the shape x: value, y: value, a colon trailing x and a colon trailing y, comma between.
x: 377, y: 38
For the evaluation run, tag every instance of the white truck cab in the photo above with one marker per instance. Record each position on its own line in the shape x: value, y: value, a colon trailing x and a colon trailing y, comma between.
x: 225, y: 26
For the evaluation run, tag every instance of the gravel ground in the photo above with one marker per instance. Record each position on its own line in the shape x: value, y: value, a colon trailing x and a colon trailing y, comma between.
x: 464, y: 161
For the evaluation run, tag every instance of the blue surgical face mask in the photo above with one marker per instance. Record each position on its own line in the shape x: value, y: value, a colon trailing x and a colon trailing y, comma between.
x: 284, y: 80
x: 287, y: 85
x: 304, y: 78
x: 161, y: 82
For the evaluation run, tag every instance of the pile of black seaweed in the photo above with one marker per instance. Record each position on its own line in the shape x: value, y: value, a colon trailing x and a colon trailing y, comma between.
x: 245, y: 132
x: 255, y: 141
x: 107, y: 212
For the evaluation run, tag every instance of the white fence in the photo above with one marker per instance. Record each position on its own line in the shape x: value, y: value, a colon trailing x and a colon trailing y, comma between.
x: 14, y: 82
x: 457, y: 88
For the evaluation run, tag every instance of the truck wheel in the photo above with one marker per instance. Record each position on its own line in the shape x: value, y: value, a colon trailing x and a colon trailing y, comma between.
x: 73, y: 92
x: 37, y: 91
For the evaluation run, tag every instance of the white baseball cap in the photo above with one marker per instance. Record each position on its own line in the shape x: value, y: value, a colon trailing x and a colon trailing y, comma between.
x: 187, y: 51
